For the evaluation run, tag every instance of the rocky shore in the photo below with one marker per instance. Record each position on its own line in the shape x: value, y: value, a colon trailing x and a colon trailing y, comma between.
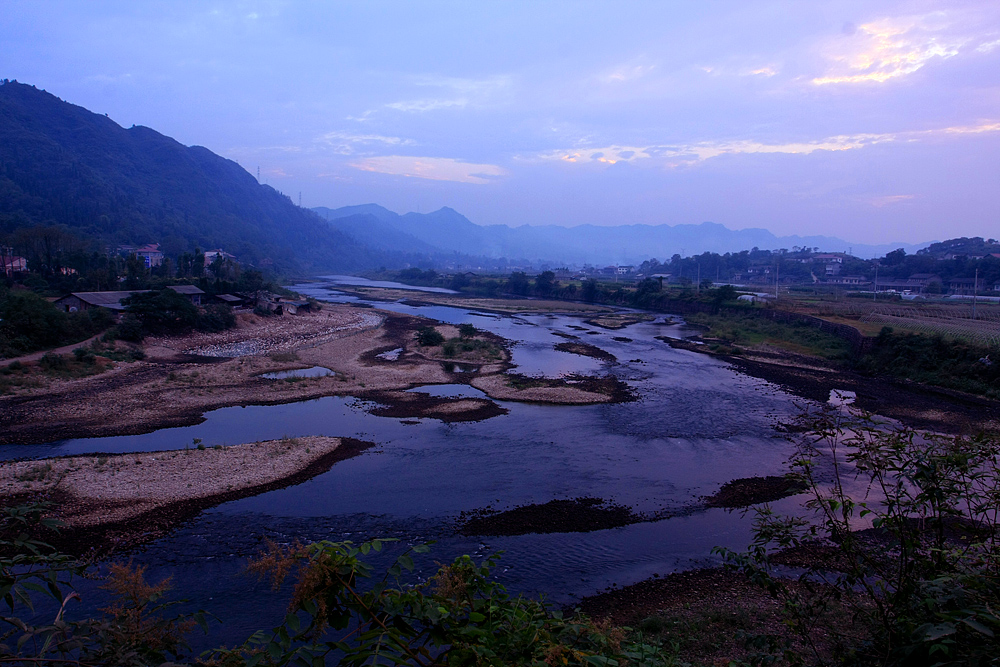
x: 110, y: 502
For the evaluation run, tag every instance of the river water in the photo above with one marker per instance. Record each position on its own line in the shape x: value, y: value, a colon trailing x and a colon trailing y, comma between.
x: 696, y: 425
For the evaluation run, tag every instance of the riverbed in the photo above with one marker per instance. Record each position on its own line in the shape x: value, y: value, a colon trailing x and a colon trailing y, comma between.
x: 696, y: 424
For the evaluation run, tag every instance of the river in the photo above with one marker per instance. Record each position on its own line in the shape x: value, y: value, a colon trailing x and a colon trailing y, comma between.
x: 696, y: 425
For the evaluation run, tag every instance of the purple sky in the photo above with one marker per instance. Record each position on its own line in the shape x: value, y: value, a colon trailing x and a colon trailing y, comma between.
x: 872, y: 121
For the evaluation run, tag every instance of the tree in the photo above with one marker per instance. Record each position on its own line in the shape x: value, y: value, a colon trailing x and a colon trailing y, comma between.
x: 723, y: 294
x: 545, y: 283
x: 589, y: 290
x: 895, y: 258
x: 518, y: 283
x: 29, y: 322
x: 162, y: 311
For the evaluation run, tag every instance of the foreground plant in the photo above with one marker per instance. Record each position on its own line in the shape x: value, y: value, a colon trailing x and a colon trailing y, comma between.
x: 461, y: 616
x: 905, y: 524
x: 339, y: 614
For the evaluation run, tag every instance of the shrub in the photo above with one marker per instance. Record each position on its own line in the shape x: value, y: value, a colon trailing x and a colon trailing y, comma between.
x: 460, y: 616
x: 216, y: 318
x: 924, y: 579
x: 130, y: 329
x: 84, y: 355
x: 429, y: 337
x: 162, y: 312
x: 52, y: 362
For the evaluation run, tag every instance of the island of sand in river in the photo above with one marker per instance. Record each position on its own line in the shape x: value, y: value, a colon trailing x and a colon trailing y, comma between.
x: 362, y: 352
x: 370, y: 354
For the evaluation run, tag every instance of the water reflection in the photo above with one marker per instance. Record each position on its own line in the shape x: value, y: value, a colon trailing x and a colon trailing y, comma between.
x: 697, y: 424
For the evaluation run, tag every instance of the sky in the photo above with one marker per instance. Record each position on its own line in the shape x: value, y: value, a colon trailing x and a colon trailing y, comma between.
x: 874, y: 121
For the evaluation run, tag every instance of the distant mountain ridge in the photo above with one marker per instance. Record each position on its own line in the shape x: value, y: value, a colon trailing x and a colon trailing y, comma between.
x: 62, y: 164
x: 448, y: 230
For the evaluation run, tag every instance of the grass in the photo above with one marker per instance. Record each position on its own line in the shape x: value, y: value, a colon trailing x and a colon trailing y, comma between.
x: 31, y: 375
x: 749, y: 330
x: 465, y: 347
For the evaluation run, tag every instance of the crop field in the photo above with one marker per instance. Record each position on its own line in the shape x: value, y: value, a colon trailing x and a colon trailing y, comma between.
x: 954, y: 321
x: 951, y: 320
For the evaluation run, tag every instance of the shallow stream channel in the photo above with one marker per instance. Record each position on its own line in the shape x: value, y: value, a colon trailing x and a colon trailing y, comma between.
x: 696, y: 425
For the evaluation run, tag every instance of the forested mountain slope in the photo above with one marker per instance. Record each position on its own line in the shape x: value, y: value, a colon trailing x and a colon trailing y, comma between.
x: 60, y: 164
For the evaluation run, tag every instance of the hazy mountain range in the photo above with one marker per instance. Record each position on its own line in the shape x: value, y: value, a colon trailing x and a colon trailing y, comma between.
x: 61, y: 164
x: 448, y: 230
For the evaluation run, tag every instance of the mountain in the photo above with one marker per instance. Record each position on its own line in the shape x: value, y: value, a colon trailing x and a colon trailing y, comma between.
x: 448, y: 230
x: 61, y: 164
x: 372, y: 228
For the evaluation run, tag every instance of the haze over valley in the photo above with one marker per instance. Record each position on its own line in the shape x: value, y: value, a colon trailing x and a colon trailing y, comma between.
x: 499, y: 334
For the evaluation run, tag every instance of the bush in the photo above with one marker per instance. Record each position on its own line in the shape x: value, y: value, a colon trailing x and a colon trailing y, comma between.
x: 429, y: 337
x: 51, y: 361
x: 84, y: 355
x: 924, y: 580
x: 216, y: 318
x: 162, y: 312
x: 130, y: 329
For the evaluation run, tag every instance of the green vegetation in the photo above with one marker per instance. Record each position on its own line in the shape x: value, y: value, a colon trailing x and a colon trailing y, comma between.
x: 63, y: 165
x: 934, y: 360
x: 922, y: 583
x: 752, y: 329
x: 339, y: 610
x: 466, y: 346
x: 29, y: 323
x: 429, y: 337
x: 166, y: 312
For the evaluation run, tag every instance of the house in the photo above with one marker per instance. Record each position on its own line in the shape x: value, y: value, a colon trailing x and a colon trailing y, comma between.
x: 924, y: 282
x: 231, y: 300
x: 12, y: 265
x: 212, y: 255
x: 150, y: 254
x: 848, y: 280
x: 80, y: 301
x: 964, y: 285
x: 293, y: 307
x: 190, y: 291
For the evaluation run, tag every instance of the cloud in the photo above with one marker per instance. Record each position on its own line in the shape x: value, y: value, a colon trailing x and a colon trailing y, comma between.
x: 678, y: 155
x: 890, y: 48
x: 459, y: 93
x: 886, y: 200
x: 428, y: 105
x: 431, y: 168
x: 625, y: 72
x: 347, y: 143
x: 986, y: 47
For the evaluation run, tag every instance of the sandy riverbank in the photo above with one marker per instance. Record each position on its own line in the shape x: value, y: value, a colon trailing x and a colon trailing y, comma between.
x: 112, y: 501
x: 183, y: 377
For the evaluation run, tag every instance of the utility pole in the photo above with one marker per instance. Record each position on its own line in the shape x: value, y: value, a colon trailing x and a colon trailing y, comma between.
x: 258, y: 173
x: 777, y: 264
x: 875, y: 289
x: 698, y: 289
x: 975, y: 293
